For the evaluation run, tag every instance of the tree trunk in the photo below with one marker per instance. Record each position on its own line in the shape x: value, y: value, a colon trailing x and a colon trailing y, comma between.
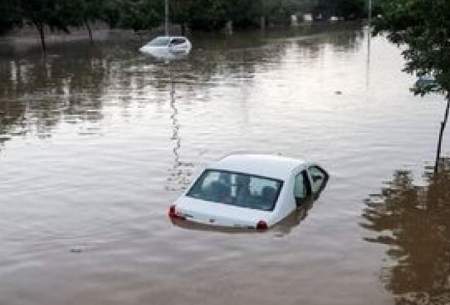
x: 88, y: 27
x: 229, y: 27
x: 441, y: 134
x: 262, y: 22
x: 40, y: 28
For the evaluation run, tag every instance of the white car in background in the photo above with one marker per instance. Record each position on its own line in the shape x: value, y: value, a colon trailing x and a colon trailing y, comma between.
x: 249, y: 191
x: 167, y: 46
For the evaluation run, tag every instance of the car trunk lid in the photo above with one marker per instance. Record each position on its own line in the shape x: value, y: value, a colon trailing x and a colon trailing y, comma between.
x: 219, y: 214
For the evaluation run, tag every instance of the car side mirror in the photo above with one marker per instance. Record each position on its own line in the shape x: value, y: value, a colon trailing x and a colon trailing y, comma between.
x: 302, y: 201
x: 316, y: 195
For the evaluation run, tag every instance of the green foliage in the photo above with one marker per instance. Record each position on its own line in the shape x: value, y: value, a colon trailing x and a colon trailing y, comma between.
x: 347, y: 8
x: 110, y: 12
x: 9, y: 15
x: 208, y: 14
x: 180, y: 11
x: 341, y: 8
x: 244, y: 13
x: 279, y: 11
x: 89, y: 10
x: 423, y: 28
x: 56, y: 14
x: 146, y: 14
x: 213, y: 14
x: 141, y: 14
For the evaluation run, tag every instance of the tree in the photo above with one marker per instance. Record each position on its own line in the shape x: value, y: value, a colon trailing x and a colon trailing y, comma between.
x: 55, y: 14
x: 208, y: 14
x: 423, y: 28
x: 9, y: 15
x: 279, y: 11
x: 111, y: 12
x: 343, y: 8
x: 243, y: 13
x: 141, y: 14
x: 179, y: 13
x: 89, y: 11
x: 351, y: 8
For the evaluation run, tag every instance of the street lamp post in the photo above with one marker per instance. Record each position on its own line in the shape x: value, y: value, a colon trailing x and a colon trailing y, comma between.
x: 166, y: 20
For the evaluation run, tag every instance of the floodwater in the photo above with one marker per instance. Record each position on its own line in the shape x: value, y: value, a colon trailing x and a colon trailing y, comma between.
x: 414, y: 222
x: 97, y: 141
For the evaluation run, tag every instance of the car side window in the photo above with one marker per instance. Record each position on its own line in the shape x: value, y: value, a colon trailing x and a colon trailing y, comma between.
x: 177, y: 41
x: 302, y: 187
x: 319, y: 178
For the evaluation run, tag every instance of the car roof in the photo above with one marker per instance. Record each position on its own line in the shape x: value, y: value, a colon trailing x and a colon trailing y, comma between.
x: 270, y: 166
x: 171, y: 37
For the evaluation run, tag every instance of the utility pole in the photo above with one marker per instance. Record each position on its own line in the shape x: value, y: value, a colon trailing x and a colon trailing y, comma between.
x: 369, y: 38
x: 166, y: 21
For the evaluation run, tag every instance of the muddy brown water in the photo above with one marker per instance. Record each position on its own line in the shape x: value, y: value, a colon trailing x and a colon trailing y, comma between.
x: 94, y: 149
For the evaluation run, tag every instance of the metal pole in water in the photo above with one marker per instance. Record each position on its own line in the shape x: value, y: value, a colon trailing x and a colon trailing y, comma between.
x: 166, y: 23
x: 369, y: 38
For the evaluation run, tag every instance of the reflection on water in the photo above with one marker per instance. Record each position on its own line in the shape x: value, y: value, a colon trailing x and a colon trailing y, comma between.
x: 369, y: 41
x: 38, y: 93
x: 180, y: 173
x: 413, y: 221
x: 35, y: 96
x: 293, y: 220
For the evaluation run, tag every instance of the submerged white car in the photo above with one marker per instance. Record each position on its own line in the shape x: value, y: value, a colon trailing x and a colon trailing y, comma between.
x: 167, y: 46
x: 250, y: 191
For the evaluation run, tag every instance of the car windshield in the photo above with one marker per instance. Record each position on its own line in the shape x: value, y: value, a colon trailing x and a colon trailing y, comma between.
x: 159, y: 42
x: 237, y: 189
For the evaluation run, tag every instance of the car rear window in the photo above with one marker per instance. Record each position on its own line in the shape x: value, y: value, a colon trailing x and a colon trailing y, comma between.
x: 159, y: 42
x: 237, y: 189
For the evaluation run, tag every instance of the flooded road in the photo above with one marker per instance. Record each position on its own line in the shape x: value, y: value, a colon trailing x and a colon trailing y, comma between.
x: 94, y: 148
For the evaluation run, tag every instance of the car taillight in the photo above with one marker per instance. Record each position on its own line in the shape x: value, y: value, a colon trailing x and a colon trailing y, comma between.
x: 172, y: 211
x: 261, y: 225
